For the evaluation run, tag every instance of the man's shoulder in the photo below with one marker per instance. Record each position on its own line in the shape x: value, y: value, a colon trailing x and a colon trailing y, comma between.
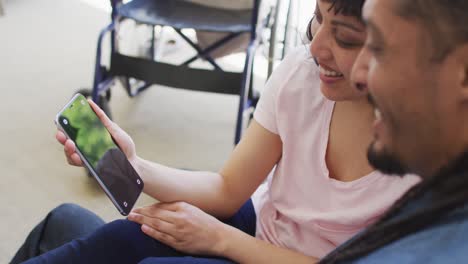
x: 443, y: 242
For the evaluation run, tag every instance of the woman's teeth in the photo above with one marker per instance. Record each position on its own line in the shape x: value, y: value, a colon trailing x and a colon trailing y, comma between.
x: 330, y: 73
x: 377, y: 114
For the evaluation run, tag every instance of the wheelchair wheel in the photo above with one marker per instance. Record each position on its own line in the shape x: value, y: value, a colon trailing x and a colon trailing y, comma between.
x: 103, y: 100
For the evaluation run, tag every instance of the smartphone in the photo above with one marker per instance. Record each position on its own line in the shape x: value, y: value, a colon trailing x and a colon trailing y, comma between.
x: 100, y: 154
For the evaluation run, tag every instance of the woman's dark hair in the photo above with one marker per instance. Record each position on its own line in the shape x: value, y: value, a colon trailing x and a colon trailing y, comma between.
x: 445, y: 192
x: 344, y: 7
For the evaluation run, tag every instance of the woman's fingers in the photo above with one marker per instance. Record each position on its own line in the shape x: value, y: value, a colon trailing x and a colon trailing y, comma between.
x: 156, y: 212
x: 112, y: 127
x: 157, y: 224
x: 100, y: 113
x: 76, y: 160
x: 69, y: 149
x: 60, y: 136
x: 160, y: 236
x: 70, y: 152
x: 174, y: 206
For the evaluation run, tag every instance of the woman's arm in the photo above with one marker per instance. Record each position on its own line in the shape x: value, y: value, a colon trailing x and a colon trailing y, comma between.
x: 242, y: 248
x: 188, y: 229
x: 220, y: 194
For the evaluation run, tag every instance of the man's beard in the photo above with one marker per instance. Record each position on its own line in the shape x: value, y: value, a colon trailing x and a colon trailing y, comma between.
x: 385, y: 161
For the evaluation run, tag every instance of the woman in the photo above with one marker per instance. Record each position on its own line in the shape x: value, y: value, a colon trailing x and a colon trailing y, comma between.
x: 310, y: 126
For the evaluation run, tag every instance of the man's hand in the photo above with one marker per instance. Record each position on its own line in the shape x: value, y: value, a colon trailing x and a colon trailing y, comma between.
x: 182, y: 226
x: 124, y: 141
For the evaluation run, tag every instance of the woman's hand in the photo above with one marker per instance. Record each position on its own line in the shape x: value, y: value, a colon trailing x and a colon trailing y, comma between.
x: 124, y: 141
x: 182, y: 226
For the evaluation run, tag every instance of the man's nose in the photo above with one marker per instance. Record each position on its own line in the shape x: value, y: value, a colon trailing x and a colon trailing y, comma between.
x: 360, y: 71
x: 361, y: 86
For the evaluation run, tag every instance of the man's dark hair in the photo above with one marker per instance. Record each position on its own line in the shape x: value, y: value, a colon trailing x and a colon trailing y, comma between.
x: 344, y: 7
x: 446, y: 22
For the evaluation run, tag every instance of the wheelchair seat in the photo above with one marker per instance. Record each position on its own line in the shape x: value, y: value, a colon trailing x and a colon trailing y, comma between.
x: 181, y: 14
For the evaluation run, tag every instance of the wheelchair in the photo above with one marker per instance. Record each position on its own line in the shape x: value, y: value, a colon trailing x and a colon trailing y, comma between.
x: 179, y: 15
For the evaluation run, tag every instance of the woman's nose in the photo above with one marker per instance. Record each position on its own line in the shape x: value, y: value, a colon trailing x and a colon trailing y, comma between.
x: 320, y: 46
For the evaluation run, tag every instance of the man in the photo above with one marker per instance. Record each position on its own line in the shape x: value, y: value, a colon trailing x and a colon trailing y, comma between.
x: 415, y: 68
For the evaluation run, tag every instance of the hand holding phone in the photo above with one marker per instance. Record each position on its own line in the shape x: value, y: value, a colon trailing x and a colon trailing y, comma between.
x: 100, y: 145
x: 123, y: 140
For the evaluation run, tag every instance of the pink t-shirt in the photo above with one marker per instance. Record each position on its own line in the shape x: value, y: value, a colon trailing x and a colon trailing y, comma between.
x: 301, y: 208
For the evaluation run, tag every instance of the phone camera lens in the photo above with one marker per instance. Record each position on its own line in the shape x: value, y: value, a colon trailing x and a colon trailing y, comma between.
x: 65, y: 121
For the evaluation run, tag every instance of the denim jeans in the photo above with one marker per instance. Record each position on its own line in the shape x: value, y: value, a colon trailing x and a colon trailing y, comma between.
x: 61, y: 225
x: 120, y: 241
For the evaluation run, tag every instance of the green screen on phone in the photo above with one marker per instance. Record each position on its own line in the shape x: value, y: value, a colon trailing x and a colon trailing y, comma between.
x: 97, y: 146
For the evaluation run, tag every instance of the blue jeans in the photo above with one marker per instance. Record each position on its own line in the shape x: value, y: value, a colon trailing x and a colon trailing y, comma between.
x: 60, y: 226
x: 120, y: 241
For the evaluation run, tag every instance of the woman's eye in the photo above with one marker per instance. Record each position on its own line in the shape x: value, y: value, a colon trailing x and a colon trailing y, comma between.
x: 348, y: 44
x: 345, y: 41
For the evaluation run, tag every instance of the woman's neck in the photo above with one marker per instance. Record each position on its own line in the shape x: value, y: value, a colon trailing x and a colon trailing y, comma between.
x: 350, y: 136
x: 360, y: 108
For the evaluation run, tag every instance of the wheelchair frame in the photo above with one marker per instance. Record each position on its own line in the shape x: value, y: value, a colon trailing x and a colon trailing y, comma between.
x: 127, y: 67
